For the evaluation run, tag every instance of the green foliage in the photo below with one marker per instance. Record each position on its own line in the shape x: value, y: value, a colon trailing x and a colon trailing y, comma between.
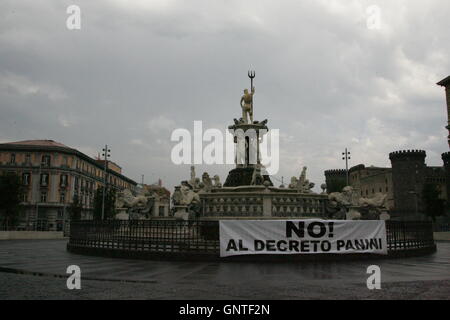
x: 335, y: 185
x: 110, y: 199
x: 11, y: 196
x: 75, y: 209
x: 434, y: 206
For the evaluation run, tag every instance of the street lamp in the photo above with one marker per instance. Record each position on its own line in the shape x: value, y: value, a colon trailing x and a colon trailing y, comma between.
x: 106, y: 154
x: 346, y: 157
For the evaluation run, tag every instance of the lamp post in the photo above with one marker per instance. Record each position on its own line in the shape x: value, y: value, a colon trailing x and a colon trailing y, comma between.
x: 106, y: 155
x: 346, y: 157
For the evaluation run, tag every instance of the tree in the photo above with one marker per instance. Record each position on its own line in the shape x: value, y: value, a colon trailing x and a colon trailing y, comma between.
x: 434, y: 206
x: 11, y: 197
x: 75, y: 208
x: 110, y: 200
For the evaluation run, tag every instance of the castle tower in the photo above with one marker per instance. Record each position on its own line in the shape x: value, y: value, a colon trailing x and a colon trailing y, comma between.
x: 446, y: 159
x: 408, y: 177
x: 335, y: 179
x: 446, y: 83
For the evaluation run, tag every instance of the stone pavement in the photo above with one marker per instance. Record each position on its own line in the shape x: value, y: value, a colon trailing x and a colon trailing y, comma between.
x: 426, y: 277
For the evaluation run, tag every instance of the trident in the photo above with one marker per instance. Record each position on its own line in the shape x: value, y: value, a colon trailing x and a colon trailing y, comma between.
x: 251, y: 75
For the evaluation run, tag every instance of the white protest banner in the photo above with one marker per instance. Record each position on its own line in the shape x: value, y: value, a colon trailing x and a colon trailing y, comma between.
x: 239, y: 237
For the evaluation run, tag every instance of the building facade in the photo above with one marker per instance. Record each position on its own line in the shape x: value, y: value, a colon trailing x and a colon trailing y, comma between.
x: 446, y: 84
x: 371, y: 180
x: 403, y: 182
x: 53, y: 174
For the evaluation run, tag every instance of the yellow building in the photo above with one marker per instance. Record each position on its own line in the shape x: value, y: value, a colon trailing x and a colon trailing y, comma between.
x: 371, y: 180
x: 53, y: 174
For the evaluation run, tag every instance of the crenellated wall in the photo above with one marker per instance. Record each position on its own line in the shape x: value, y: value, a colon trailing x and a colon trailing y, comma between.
x: 334, y: 178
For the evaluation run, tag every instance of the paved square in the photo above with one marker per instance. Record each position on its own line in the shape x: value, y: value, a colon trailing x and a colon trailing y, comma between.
x: 426, y: 277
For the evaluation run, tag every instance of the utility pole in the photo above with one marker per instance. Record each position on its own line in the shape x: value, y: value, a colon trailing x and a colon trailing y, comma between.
x: 346, y: 157
x: 106, y: 155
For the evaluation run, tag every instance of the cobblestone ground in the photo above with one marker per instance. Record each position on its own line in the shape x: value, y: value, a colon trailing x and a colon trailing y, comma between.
x: 426, y: 277
x: 15, y: 286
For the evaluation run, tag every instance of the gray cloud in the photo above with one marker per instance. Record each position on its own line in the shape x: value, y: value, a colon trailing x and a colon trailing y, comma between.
x: 137, y: 70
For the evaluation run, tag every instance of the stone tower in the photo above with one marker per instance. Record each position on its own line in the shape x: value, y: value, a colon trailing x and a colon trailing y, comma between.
x: 335, y: 177
x: 408, y: 178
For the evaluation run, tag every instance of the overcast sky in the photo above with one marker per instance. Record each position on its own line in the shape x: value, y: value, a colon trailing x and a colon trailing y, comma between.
x: 137, y: 70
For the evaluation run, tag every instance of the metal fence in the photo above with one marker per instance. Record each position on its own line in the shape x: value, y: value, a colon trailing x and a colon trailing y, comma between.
x: 172, y: 236
x: 404, y: 235
x: 147, y: 235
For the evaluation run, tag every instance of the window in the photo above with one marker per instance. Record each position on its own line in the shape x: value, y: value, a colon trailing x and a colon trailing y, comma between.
x: 12, y: 160
x: 161, y: 211
x: 60, y: 213
x: 27, y: 158
x: 26, y: 179
x: 43, y: 196
x: 62, y: 197
x: 45, y: 161
x: 63, y: 180
x: 64, y: 162
x: 44, y: 179
x: 25, y: 197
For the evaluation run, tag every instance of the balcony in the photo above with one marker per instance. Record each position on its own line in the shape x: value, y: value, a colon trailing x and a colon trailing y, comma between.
x: 43, y: 185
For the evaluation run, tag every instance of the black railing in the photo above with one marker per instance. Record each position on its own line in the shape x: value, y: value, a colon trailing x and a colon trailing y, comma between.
x: 147, y: 235
x: 202, y: 237
x: 404, y: 235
